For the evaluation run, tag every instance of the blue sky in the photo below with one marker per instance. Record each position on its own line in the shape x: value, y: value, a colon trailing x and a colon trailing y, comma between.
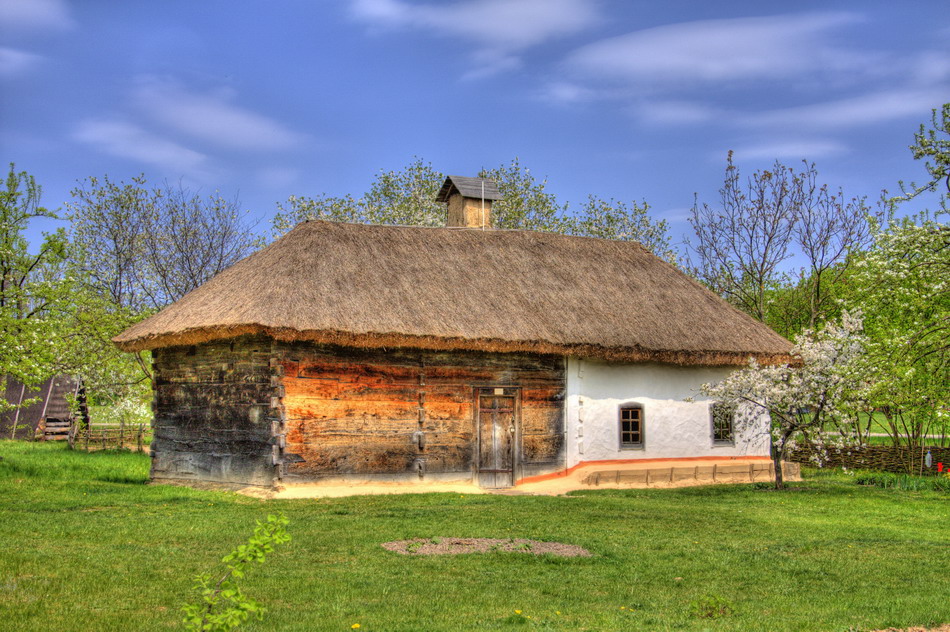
x: 625, y: 99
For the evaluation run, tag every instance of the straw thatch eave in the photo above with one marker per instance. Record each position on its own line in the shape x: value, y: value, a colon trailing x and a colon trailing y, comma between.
x: 382, y: 341
x: 431, y: 288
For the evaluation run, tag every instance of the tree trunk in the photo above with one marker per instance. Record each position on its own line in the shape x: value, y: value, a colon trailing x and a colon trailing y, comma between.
x: 777, y: 453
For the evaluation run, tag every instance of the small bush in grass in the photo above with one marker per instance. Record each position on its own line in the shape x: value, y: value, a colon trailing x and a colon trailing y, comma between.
x: 223, y: 606
x: 518, y: 618
x: 710, y: 607
x: 906, y: 482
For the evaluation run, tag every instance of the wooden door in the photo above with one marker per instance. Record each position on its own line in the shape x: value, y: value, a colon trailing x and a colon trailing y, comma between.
x: 497, y: 436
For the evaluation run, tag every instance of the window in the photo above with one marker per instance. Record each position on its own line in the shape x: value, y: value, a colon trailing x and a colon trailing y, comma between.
x: 722, y: 417
x: 631, y: 426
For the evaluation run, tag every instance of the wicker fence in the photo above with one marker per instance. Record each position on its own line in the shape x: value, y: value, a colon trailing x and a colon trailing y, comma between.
x: 108, y: 437
x: 885, y: 458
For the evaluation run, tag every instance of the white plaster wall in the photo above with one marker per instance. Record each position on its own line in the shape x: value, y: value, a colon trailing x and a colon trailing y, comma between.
x: 673, y: 427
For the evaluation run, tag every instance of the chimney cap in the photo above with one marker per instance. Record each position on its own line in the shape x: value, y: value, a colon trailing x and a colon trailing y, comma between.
x: 468, y: 187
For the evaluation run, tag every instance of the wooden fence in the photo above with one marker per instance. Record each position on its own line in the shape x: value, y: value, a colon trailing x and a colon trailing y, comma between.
x: 108, y: 437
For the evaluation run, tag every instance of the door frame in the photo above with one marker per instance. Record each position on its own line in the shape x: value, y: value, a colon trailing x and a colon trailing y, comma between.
x: 509, y: 390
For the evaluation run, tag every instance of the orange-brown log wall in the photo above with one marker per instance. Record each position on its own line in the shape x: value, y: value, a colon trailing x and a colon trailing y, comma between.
x: 390, y: 412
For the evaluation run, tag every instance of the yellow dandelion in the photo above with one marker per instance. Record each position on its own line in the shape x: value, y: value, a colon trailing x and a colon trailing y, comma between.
x: 355, y: 626
x: 517, y: 612
x: 557, y: 612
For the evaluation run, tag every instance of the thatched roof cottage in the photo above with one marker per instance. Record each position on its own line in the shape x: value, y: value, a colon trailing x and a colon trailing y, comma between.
x: 364, y: 352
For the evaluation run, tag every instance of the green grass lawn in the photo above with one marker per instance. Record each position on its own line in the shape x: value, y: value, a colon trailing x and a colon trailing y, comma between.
x: 86, y: 545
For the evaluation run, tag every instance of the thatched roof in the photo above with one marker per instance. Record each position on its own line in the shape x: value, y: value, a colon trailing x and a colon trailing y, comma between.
x: 443, y: 288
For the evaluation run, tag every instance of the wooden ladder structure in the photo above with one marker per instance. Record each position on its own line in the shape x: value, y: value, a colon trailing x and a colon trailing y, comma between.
x: 56, y: 429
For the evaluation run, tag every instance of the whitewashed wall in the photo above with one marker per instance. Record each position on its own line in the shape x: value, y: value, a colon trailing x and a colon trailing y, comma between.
x: 672, y: 427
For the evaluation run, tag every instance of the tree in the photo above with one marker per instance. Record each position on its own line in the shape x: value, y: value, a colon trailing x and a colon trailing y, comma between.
x: 189, y: 239
x: 135, y: 249
x: 801, y: 401
x: 51, y: 321
x: 828, y: 230
x: 742, y: 244
x: 33, y: 294
x: 147, y: 247
x: 901, y: 283
x: 404, y: 197
x: 407, y: 197
x: 933, y: 146
x: 108, y: 228
x: 526, y: 204
x: 615, y: 220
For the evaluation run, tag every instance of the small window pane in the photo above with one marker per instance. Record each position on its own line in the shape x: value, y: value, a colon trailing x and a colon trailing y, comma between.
x: 631, y: 427
x: 722, y: 422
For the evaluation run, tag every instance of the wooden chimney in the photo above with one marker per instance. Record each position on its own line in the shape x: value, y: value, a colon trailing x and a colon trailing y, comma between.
x: 469, y: 201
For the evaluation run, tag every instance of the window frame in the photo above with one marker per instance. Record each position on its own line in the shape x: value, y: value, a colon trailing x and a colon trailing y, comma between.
x: 642, y: 430
x: 731, y: 441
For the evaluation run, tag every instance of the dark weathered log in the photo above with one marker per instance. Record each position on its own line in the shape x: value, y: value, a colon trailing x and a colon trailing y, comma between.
x: 213, y: 412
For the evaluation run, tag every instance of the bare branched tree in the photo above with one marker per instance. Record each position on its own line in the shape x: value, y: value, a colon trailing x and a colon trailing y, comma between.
x: 147, y: 247
x: 742, y: 246
x: 108, y: 225
x: 189, y: 239
x: 828, y: 230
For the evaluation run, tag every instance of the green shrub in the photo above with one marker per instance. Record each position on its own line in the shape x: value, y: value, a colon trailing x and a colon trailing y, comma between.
x: 710, y: 607
x: 223, y: 606
x: 905, y: 482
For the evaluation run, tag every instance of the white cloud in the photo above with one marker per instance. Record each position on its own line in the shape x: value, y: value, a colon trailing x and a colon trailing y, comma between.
x: 277, y: 177
x: 210, y: 117
x: 930, y: 67
x: 35, y: 14
x: 863, y: 110
x: 127, y: 140
x: 674, y: 215
x: 497, y: 28
x: 722, y: 50
x: 675, y: 112
x: 566, y: 92
x: 14, y: 62
x: 788, y: 150
x: 491, y: 62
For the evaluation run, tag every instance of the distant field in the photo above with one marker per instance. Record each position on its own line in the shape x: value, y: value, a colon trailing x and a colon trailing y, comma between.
x: 879, y: 425
x: 86, y: 545
x: 105, y: 415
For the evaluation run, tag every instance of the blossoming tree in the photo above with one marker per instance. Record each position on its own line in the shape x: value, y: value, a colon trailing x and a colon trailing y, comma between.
x: 902, y: 283
x: 804, y: 399
x: 31, y: 293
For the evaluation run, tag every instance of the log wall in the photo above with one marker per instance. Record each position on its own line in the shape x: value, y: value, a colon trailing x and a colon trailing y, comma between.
x: 214, y: 412
x: 408, y: 414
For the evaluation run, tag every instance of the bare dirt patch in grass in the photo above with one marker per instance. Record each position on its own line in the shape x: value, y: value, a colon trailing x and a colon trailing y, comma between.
x: 943, y: 628
x: 459, y: 546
